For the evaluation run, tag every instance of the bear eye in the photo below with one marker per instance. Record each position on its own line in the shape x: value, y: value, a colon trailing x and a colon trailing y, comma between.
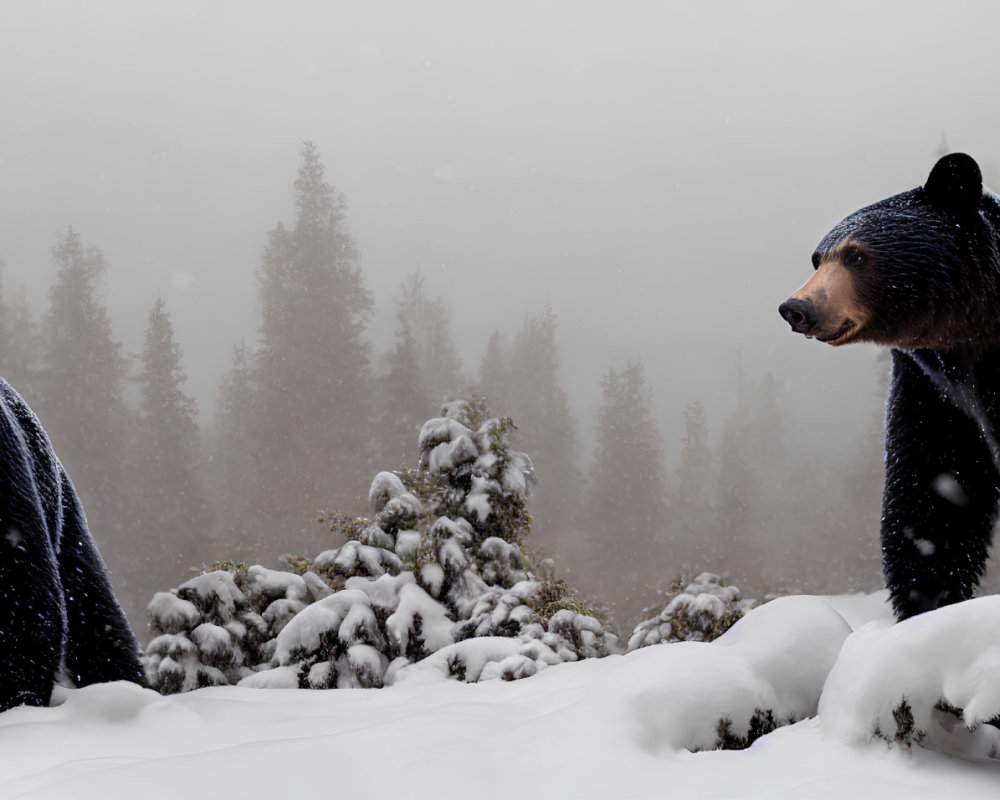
x: 855, y: 257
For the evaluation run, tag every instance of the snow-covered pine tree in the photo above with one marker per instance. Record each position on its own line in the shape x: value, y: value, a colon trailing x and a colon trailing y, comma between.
x: 699, y: 610
x: 439, y: 571
x: 459, y: 523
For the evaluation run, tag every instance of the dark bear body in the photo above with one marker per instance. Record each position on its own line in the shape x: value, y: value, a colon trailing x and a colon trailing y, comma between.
x: 920, y: 272
x: 57, y: 608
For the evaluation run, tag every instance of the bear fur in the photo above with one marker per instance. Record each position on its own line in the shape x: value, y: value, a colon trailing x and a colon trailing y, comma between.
x: 58, y: 613
x: 920, y: 273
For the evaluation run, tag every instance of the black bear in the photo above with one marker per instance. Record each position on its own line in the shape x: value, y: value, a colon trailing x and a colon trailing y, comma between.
x: 920, y: 272
x: 57, y: 609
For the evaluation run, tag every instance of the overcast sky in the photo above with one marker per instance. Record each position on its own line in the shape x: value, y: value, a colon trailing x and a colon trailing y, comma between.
x: 658, y: 172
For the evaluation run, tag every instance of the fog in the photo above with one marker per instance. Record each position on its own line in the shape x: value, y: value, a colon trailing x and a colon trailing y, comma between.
x: 656, y: 173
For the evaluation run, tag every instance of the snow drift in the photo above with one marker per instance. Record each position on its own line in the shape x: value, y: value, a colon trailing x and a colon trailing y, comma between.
x: 620, y: 726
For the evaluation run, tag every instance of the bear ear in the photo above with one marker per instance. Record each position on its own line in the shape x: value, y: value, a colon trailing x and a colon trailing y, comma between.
x: 955, y: 184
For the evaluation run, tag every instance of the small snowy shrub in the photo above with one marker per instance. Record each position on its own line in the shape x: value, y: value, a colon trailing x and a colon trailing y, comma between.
x: 214, y: 628
x: 944, y: 717
x: 699, y: 611
x: 441, y: 562
x: 761, y: 723
x: 907, y: 733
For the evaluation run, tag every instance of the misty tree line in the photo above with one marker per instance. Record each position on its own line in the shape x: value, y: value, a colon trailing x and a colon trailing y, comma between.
x: 308, y: 413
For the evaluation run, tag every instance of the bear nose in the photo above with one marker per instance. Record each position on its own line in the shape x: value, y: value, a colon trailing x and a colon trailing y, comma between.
x: 800, y: 314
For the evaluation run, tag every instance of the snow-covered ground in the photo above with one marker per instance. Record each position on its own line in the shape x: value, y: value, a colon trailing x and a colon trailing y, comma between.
x: 617, y: 727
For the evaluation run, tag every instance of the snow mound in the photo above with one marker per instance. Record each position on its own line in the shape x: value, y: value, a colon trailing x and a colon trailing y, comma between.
x: 932, y: 680
x: 618, y: 726
x: 767, y: 670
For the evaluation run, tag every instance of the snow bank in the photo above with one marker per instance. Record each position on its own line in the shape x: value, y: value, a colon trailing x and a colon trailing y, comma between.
x: 767, y: 670
x: 932, y: 680
x: 598, y: 728
x: 770, y: 665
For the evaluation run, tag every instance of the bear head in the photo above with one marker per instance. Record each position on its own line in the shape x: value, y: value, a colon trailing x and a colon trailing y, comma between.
x: 917, y: 270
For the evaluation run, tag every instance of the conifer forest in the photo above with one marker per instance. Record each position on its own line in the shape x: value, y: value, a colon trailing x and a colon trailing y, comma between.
x: 310, y: 410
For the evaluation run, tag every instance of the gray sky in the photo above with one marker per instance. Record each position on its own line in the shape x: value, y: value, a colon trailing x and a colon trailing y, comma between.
x: 658, y: 172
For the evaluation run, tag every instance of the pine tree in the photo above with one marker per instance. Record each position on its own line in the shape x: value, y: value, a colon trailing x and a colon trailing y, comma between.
x: 735, y: 490
x: 541, y: 411
x: 765, y: 494
x: 422, y: 372
x: 428, y: 322
x: 81, y: 405
x: 171, y: 514
x: 23, y: 352
x: 854, y: 518
x: 785, y: 519
x: 626, y: 506
x: 752, y: 469
x: 494, y: 372
x: 403, y: 400
x: 19, y: 353
x: 233, y: 473
x: 692, y: 510
x: 312, y: 366
x: 695, y: 470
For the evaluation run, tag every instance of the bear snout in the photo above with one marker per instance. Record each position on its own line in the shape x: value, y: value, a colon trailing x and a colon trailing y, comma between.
x: 800, y: 314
